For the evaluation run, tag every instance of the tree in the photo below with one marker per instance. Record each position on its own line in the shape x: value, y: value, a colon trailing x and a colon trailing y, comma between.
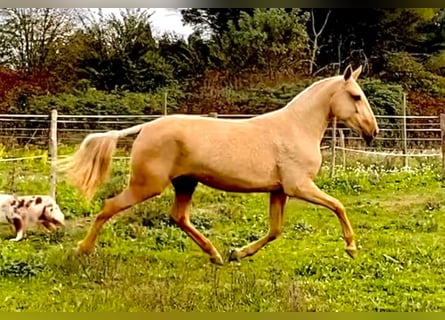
x: 404, y: 29
x: 189, y: 58
x: 122, y: 53
x: 29, y: 37
x: 213, y: 20
x: 270, y: 40
x: 341, y: 36
x: 315, y: 46
x: 365, y: 36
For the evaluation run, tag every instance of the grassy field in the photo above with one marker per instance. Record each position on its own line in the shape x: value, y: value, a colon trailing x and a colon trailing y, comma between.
x: 145, y: 263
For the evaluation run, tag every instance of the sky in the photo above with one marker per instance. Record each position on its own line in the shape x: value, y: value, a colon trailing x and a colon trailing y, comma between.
x: 163, y: 20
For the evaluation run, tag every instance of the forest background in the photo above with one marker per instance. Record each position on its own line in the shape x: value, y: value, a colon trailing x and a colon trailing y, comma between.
x: 249, y: 60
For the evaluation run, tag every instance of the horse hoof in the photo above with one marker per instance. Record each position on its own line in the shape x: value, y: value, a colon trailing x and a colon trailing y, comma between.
x: 352, y: 252
x: 217, y: 260
x: 83, y: 249
x: 235, y: 255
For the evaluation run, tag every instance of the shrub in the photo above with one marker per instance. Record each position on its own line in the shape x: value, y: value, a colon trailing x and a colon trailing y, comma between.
x: 385, y: 99
x: 91, y: 101
x: 403, y: 68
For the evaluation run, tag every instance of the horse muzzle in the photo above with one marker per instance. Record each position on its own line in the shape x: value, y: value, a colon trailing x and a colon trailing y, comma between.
x: 369, y: 137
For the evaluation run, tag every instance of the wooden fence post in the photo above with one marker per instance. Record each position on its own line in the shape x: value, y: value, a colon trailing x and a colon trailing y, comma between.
x: 404, y: 134
x: 342, y: 145
x: 442, y: 133
x: 334, y: 143
x: 53, y: 152
x: 165, y: 103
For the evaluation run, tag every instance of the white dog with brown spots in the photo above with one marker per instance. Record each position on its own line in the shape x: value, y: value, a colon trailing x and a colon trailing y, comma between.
x: 23, y: 211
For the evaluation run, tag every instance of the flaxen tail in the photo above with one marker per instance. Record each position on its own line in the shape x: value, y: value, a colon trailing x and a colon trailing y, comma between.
x: 89, y: 167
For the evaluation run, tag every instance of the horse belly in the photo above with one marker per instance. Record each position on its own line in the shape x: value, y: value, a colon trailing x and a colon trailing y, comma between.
x: 238, y: 186
x: 242, y: 178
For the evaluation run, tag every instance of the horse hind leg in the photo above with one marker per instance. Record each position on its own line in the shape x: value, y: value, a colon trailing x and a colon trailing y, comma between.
x: 277, y: 203
x: 136, y: 192
x: 180, y: 213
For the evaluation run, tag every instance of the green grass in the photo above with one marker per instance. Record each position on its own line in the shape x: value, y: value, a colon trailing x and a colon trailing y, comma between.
x: 145, y: 263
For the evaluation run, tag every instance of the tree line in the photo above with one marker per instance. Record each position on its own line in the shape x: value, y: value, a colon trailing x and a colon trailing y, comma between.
x: 248, y: 60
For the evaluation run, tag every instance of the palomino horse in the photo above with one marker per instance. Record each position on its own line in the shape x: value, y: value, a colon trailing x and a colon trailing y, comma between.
x: 277, y: 152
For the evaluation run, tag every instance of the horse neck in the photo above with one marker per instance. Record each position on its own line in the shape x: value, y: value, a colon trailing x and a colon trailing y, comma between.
x: 310, y: 110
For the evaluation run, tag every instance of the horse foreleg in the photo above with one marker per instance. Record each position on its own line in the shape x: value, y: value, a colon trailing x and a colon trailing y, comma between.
x: 310, y: 192
x: 181, y: 215
x: 276, y: 210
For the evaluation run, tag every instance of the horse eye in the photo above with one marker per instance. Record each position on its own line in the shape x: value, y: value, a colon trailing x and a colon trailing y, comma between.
x: 356, y: 97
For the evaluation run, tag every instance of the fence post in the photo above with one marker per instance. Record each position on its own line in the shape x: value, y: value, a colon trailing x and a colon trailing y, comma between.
x: 442, y: 133
x: 342, y: 145
x: 53, y: 152
x: 404, y: 134
x: 334, y: 143
x: 213, y: 114
x: 165, y: 103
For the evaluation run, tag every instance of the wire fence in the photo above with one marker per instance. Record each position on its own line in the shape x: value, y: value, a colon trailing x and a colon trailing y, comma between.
x: 400, y: 139
x: 419, y: 133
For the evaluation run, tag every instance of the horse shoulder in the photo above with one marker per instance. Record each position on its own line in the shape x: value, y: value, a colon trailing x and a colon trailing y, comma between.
x: 298, y: 160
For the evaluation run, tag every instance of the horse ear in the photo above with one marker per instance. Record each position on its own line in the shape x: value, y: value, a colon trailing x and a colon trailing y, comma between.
x: 348, y: 72
x: 357, y: 72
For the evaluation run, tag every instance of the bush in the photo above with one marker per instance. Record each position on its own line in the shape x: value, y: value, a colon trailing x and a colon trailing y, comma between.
x: 436, y: 63
x: 261, y: 100
x: 403, y: 68
x: 91, y: 101
x: 385, y: 99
